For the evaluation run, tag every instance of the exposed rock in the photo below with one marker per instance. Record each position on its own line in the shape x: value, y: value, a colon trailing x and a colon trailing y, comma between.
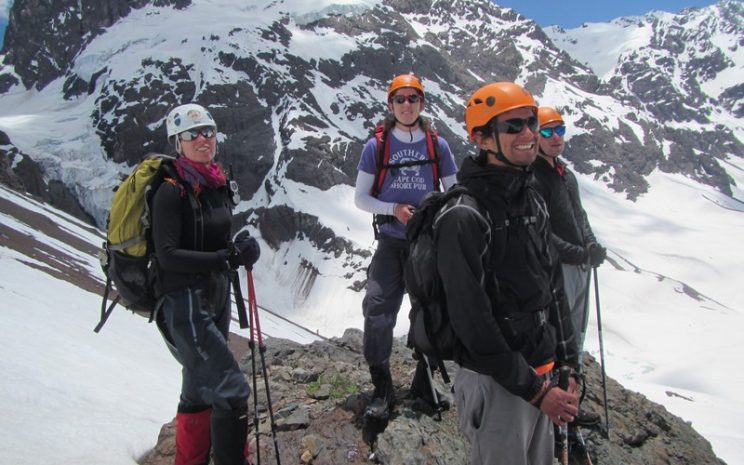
x: 333, y: 431
x: 282, y: 224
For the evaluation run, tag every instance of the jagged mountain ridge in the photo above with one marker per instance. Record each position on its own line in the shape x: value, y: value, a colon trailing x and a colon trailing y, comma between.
x: 296, y: 92
x: 684, y: 69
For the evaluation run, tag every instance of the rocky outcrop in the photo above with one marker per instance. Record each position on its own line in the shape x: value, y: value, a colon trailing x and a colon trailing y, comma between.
x: 319, y: 392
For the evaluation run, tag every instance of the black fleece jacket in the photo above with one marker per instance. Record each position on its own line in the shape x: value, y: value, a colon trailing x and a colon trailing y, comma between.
x: 496, y: 277
x: 571, y: 230
x: 190, y: 244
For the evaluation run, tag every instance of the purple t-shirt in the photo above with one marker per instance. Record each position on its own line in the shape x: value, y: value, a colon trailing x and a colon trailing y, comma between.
x: 409, y: 184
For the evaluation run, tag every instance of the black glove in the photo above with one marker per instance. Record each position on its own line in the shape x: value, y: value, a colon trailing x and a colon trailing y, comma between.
x: 231, y: 258
x: 247, y: 249
x: 596, y: 254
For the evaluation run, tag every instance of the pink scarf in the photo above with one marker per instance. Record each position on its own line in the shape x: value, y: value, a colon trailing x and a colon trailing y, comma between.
x: 199, y: 175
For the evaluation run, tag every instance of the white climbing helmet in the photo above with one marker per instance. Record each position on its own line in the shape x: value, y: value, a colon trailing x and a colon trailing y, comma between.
x: 185, y: 117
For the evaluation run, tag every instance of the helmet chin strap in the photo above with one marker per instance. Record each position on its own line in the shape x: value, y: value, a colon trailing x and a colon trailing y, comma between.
x: 500, y: 154
x: 500, y: 157
x: 408, y: 125
x: 417, y: 122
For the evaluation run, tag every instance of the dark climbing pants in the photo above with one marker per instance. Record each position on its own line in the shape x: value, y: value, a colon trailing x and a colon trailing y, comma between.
x: 195, y: 324
x: 385, y: 289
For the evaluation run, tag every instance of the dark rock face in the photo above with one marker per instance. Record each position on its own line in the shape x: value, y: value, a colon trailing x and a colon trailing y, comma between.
x: 275, y: 126
x: 281, y: 224
x: 19, y: 172
x: 666, y: 78
x: 60, y: 30
x: 128, y: 110
x: 125, y: 111
x: 319, y: 392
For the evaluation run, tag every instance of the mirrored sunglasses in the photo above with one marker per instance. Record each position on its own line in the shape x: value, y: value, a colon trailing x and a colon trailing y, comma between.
x: 516, y: 125
x: 548, y: 132
x: 401, y: 99
x: 206, y: 131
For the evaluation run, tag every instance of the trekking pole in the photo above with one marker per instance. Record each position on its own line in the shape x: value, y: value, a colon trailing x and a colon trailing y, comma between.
x: 563, y: 373
x: 601, y: 355
x: 239, y: 302
x: 587, y: 460
x: 262, y: 350
x: 252, y: 345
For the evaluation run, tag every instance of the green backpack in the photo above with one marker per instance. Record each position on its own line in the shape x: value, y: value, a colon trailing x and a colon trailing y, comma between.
x: 127, y: 256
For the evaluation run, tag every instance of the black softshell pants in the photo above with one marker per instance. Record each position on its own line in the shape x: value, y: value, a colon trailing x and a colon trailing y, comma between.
x: 385, y: 289
x: 195, y: 323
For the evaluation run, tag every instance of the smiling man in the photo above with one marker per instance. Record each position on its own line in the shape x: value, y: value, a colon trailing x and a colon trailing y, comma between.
x: 502, y: 290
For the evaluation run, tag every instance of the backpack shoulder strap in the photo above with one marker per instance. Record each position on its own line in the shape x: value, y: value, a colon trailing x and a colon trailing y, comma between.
x: 432, y: 146
x: 382, y: 159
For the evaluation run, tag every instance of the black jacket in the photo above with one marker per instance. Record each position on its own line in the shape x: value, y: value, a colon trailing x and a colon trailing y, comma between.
x: 191, y: 244
x: 497, y: 278
x: 568, y: 220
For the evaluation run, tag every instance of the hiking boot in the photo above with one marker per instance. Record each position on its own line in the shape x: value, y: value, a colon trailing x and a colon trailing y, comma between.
x: 586, y: 418
x: 229, y: 437
x: 421, y: 389
x: 383, y: 396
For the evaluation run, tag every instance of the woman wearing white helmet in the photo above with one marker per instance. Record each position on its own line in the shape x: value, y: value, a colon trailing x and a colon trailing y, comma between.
x: 192, y: 221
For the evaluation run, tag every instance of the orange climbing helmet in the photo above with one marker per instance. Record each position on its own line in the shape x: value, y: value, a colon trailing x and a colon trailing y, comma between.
x: 494, y: 99
x: 405, y: 80
x: 547, y: 115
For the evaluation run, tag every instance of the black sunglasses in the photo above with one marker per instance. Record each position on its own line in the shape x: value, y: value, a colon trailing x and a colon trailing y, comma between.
x: 206, y: 131
x: 516, y: 125
x: 401, y: 99
x: 548, y: 132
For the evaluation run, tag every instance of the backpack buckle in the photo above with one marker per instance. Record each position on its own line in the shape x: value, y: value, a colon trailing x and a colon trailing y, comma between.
x: 103, y: 256
x: 232, y: 186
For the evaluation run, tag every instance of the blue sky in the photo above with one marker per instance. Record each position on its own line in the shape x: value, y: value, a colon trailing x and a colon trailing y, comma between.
x: 4, y: 7
x: 572, y: 13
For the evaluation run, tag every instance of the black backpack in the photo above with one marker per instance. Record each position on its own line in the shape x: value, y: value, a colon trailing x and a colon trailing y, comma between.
x: 430, y: 332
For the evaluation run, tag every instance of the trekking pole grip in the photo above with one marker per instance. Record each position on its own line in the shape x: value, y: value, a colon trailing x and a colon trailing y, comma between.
x: 563, y: 374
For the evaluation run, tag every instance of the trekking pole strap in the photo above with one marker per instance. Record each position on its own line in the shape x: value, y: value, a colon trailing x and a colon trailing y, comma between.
x: 106, y: 313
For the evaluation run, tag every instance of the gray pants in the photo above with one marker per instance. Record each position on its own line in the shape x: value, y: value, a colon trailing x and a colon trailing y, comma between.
x: 576, y: 287
x: 503, y: 429
x: 195, y: 328
x: 384, y: 296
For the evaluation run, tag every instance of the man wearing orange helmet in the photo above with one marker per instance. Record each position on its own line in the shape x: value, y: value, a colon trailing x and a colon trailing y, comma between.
x: 572, y: 234
x: 502, y: 289
x: 398, y: 167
